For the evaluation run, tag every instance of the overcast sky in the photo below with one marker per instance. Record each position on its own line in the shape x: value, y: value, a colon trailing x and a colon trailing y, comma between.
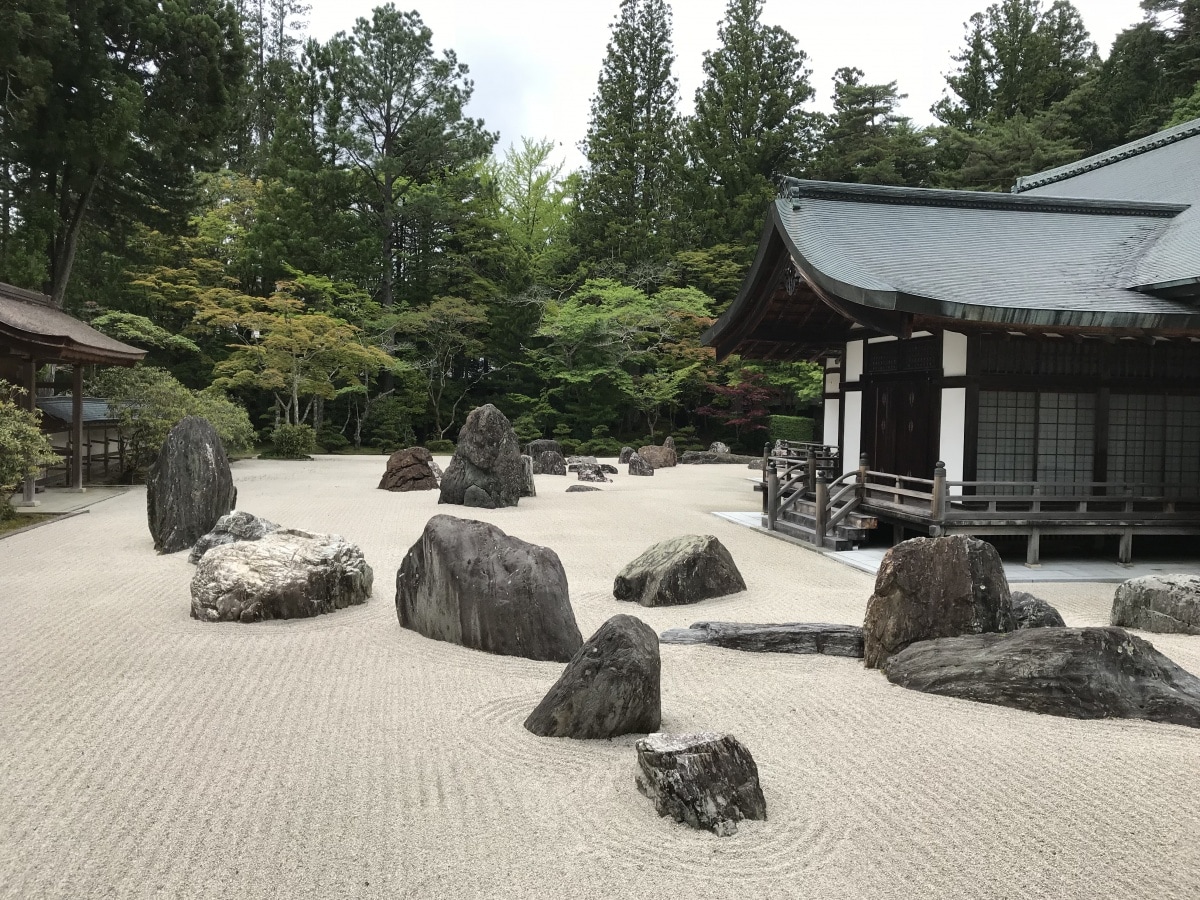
x: 535, y: 62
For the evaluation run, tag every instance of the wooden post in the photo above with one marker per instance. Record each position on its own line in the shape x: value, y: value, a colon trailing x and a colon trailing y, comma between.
x: 766, y: 459
x: 772, y: 496
x: 29, y: 489
x: 820, y: 510
x: 76, y: 484
x: 810, y: 472
x: 1125, y: 551
x: 1033, y: 548
x: 937, y: 502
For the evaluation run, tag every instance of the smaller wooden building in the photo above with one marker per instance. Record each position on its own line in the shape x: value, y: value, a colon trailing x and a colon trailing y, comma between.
x: 35, y: 333
x: 1045, y: 342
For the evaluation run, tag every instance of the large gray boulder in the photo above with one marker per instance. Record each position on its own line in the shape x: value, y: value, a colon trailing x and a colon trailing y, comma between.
x: 287, y: 574
x: 231, y: 528
x: 549, y: 462
x: 935, y: 587
x: 1034, y: 612
x: 543, y: 445
x: 410, y: 469
x: 471, y: 584
x: 590, y: 472
x: 610, y: 686
x: 189, y: 486
x: 680, y: 570
x: 663, y: 457
x: 1167, y: 604
x: 486, y: 469
x: 1083, y: 673
x: 708, y: 781
x: 796, y: 637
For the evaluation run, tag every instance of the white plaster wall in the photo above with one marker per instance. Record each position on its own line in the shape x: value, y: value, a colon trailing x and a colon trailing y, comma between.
x: 829, y: 435
x: 852, y: 446
x: 853, y: 369
x: 952, y: 441
x: 833, y: 382
x: 954, y: 354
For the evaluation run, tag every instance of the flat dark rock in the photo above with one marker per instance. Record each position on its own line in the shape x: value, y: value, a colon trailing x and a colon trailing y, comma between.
x: 1082, y: 673
x: 610, y: 687
x: 581, y: 489
x: 707, y: 781
x: 710, y: 457
x: 471, y: 584
x: 679, y: 570
x: 189, y: 486
x: 1034, y: 612
x: 794, y: 637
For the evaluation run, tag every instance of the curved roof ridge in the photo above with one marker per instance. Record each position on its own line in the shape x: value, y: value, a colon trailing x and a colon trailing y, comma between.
x: 1133, y: 148
x: 797, y: 188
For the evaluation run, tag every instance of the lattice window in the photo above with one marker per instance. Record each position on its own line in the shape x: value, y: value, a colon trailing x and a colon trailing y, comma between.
x: 1155, y: 439
x: 915, y: 355
x: 1066, y: 447
x: 1007, y: 434
x: 1031, y: 436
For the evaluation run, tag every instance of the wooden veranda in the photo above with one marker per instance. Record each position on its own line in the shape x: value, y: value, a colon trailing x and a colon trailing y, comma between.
x: 802, y: 498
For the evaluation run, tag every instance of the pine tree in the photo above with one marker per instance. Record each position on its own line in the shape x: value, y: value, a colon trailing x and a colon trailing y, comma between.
x: 749, y: 126
x: 627, y: 202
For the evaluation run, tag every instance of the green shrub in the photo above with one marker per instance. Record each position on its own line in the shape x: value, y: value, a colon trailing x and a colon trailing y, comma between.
x: 230, y: 419
x: 440, y: 446
x: 685, y: 439
x: 332, y: 441
x: 293, y: 441
x: 791, y: 428
x: 526, y: 428
x: 23, y: 447
x: 601, y: 444
x: 388, y: 426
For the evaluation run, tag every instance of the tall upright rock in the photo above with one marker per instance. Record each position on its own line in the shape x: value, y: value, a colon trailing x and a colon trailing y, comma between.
x: 486, y: 470
x: 189, y: 486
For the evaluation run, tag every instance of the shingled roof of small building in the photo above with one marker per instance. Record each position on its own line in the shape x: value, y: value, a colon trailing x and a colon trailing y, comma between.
x: 31, y: 326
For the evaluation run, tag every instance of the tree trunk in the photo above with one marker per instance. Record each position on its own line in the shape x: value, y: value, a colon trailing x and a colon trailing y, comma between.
x: 66, y: 241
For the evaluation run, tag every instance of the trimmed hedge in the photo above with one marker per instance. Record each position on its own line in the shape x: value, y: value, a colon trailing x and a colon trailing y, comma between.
x: 791, y: 428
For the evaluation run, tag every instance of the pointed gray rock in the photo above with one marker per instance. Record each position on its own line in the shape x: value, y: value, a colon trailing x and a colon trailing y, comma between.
x: 189, y: 486
x: 680, y: 570
x: 486, y: 469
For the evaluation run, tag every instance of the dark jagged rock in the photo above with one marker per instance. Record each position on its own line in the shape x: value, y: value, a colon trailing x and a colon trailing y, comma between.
x: 638, y: 466
x: 231, y: 528
x: 935, y: 587
x: 708, y: 458
x: 609, y: 469
x: 680, y: 570
x: 1083, y: 673
x: 287, y: 574
x: 1166, y: 604
x: 626, y: 452
x: 471, y: 584
x: 486, y: 469
x: 410, y: 469
x: 189, y: 486
x: 543, y: 445
x: 581, y: 489
x: 1034, y: 612
x: 610, y: 686
x: 586, y: 472
x: 528, y: 488
x: 796, y: 637
x: 549, y: 462
x: 707, y: 781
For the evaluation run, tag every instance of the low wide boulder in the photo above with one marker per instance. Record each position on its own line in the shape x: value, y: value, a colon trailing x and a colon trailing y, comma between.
x: 935, y: 587
x: 610, y: 687
x: 287, y: 574
x: 410, y: 469
x: 581, y: 489
x: 1082, y: 673
x: 189, y: 486
x: 795, y: 637
x: 486, y: 470
x: 574, y: 462
x: 709, y: 457
x: 638, y: 466
x: 231, y: 528
x: 708, y: 781
x: 543, y: 445
x: 549, y: 462
x: 680, y: 570
x: 1034, y: 612
x: 1166, y: 604
x: 659, y: 457
x: 588, y: 472
x: 469, y: 583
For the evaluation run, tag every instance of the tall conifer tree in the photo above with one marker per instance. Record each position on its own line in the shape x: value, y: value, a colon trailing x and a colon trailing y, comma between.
x: 627, y: 202
x: 749, y: 126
